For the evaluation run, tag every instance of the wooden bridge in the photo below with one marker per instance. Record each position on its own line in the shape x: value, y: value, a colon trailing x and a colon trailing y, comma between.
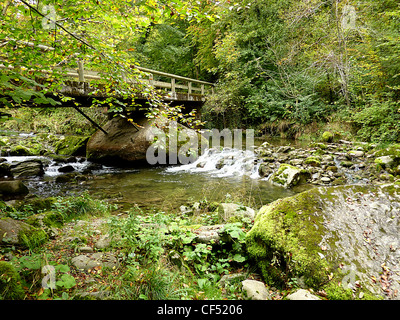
x: 177, y: 88
x: 82, y: 85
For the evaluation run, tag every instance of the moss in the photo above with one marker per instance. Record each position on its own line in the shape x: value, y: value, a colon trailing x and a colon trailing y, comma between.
x: 46, y: 219
x: 32, y: 237
x: 327, y: 136
x: 313, y: 161
x: 319, y: 145
x: 38, y: 204
x: 72, y: 146
x: 335, y: 291
x: 21, y: 151
x: 393, y: 150
x: 10, y: 283
x: 280, y: 177
x: 284, y: 240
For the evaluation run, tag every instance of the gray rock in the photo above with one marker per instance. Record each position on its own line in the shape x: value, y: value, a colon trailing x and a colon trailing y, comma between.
x: 356, y: 154
x: 207, y: 234
x: 128, y: 143
x: 10, y: 230
x: 27, y: 168
x: 85, y: 249
x: 90, y: 261
x: 103, y: 242
x: 385, y: 161
x: 302, y: 294
x: 287, y: 176
x: 256, y: 290
x: 325, y: 179
x: 9, y: 189
x: 296, y: 162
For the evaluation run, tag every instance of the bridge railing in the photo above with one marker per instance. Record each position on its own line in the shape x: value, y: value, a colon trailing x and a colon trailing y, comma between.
x: 177, y: 88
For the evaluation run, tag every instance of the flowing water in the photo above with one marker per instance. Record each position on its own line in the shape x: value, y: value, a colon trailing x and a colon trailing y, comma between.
x: 227, y: 175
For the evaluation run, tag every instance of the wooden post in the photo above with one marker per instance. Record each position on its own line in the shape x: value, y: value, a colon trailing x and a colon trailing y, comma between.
x: 173, y: 88
x: 202, y: 89
x: 151, y: 79
x: 189, y: 90
x: 190, y: 87
x: 81, y: 71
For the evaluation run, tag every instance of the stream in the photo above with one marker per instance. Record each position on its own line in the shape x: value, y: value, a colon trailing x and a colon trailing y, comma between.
x: 218, y: 175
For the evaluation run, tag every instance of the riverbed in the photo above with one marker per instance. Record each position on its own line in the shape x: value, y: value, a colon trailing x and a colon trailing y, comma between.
x: 162, y: 187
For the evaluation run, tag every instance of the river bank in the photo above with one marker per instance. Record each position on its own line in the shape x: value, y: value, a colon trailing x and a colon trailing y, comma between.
x: 96, y: 251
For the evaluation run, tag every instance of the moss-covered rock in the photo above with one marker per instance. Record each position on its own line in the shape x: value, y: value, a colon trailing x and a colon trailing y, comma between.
x: 12, y: 189
x: 14, y: 232
x: 10, y: 283
x: 32, y: 238
x: 288, y: 176
x: 47, y: 221
x: 313, y: 161
x: 284, y: 241
x: 38, y: 204
x: 327, y: 136
x: 326, y: 233
x: 72, y: 146
x: 21, y: 151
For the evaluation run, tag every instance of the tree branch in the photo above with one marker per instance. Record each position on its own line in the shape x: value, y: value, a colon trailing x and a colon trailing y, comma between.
x: 59, y: 25
x: 6, y: 7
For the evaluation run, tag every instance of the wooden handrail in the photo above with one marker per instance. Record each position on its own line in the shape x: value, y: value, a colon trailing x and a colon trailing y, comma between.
x: 84, y: 75
x: 173, y: 76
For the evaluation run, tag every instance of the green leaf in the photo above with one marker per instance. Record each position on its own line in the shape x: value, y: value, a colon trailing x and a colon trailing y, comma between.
x: 239, y: 258
x: 62, y: 268
x: 67, y: 281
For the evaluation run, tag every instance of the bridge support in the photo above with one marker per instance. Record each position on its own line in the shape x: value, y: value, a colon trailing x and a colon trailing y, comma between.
x: 91, y: 121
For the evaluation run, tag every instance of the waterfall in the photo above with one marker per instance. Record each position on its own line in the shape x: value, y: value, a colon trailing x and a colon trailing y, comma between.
x: 227, y: 162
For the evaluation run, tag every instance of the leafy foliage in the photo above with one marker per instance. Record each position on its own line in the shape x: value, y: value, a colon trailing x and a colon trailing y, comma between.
x: 153, y: 239
x: 50, y: 37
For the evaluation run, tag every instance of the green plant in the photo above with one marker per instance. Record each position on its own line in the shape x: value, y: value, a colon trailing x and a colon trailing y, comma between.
x: 79, y: 206
x: 32, y: 237
x: 10, y: 283
x: 152, y: 282
x: 44, y: 279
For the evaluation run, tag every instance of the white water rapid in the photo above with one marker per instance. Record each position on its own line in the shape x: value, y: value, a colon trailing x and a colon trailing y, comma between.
x: 227, y: 162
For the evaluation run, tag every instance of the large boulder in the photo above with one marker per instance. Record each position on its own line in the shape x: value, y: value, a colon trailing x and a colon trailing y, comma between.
x: 12, y: 189
x: 27, y: 168
x: 15, y: 232
x: 127, y: 143
x: 346, y: 234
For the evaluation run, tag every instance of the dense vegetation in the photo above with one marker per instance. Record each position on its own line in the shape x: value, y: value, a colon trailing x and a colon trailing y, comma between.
x: 286, y: 64
x: 279, y: 65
